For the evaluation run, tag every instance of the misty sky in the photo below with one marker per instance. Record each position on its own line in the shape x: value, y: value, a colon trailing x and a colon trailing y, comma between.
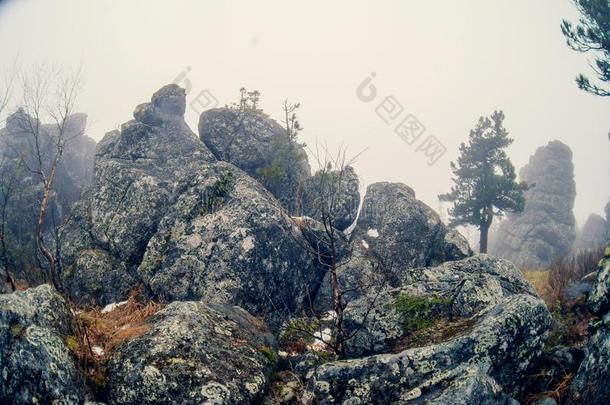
x: 446, y: 62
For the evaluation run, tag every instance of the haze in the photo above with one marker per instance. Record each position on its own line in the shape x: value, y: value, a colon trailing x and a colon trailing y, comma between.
x: 446, y: 62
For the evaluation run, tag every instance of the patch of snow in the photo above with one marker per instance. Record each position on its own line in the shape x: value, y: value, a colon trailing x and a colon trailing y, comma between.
x: 373, y: 233
x: 329, y: 316
x: 98, y: 350
x: 364, y: 244
x: 111, y: 307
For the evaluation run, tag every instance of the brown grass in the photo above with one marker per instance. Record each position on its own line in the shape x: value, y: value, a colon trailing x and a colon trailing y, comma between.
x: 108, y: 331
x: 539, y: 279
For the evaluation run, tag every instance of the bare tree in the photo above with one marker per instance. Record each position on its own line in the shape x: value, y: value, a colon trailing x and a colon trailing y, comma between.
x: 48, y: 94
x: 334, y: 252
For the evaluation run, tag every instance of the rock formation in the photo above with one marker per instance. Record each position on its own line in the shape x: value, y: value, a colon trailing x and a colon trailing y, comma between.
x: 163, y: 212
x: 403, y: 231
x: 546, y: 227
x: 18, y: 158
x: 479, y: 323
x: 593, y: 233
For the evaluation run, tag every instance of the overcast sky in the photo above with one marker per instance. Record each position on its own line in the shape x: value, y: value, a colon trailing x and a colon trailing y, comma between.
x: 446, y: 63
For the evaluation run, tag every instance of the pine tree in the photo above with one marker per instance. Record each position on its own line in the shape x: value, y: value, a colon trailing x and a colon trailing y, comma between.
x: 591, y: 34
x: 484, y: 179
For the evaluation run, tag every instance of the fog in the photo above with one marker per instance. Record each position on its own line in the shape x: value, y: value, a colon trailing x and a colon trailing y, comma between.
x: 446, y: 63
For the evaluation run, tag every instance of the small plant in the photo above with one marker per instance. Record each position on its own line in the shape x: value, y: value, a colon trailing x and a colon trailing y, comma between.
x: 269, y: 354
x: 419, y: 312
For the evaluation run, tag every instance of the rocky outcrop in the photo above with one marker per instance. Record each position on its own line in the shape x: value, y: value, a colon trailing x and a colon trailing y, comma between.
x: 590, y: 383
x: 194, y: 353
x: 593, y: 233
x: 258, y: 145
x: 546, y: 227
x: 461, y: 332
x: 162, y: 212
x: 334, y: 194
x: 226, y: 239
x: 137, y: 171
x: 36, y: 364
x: 403, y: 231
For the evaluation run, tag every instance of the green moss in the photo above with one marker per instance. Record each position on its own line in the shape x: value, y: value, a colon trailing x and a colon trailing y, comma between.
x: 17, y: 330
x: 268, y: 353
x: 300, y: 330
x: 419, y: 312
x: 214, y: 196
x: 72, y: 343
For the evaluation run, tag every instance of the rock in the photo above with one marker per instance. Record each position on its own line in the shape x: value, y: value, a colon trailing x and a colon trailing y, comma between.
x: 194, y: 353
x: 546, y: 227
x: 590, y: 383
x: 481, y: 363
x: 335, y: 193
x: 599, y: 297
x: 36, y: 364
x: 96, y: 276
x: 226, y: 239
x: 454, y: 291
x: 593, y: 233
x: 137, y: 172
x: 258, y: 145
x: 556, y: 364
x: 404, y: 232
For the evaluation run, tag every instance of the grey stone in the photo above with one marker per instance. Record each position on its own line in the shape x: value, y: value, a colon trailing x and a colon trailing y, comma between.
x: 194, y: 353
x: 404, y: 232
x: 36, y: 365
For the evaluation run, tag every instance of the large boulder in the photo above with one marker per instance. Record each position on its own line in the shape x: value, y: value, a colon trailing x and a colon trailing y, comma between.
x: 193, y: 354
x: 36, y: 365
x: 594, y: 233
x: 546, y: 227
x: 461, y: 332
x: 226, y: 239
x: 258, y: 145
x: 334, y: 194
x: 404, y: 232
x: 137, y: 172
x: 590, y: 385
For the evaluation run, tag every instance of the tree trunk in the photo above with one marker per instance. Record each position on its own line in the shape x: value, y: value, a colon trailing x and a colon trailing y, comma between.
x: 483, y: 238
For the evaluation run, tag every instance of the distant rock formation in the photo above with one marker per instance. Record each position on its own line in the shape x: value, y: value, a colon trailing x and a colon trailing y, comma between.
x: 594, y: 233
x: 546, y: 227
x: 18, y: 160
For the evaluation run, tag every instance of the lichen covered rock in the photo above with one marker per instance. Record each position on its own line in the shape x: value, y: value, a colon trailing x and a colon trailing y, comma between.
x: 332, y: 192
x: 194, y: 353
x: 36, y: 365
x: 590, y: 385
x: 226, y: 239
x: 258, y: 145
x: 403, y: 231
x: 463, y: 331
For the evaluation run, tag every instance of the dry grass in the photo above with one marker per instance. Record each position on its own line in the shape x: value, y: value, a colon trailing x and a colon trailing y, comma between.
x: 539, y: 279
x: 106, y: 331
